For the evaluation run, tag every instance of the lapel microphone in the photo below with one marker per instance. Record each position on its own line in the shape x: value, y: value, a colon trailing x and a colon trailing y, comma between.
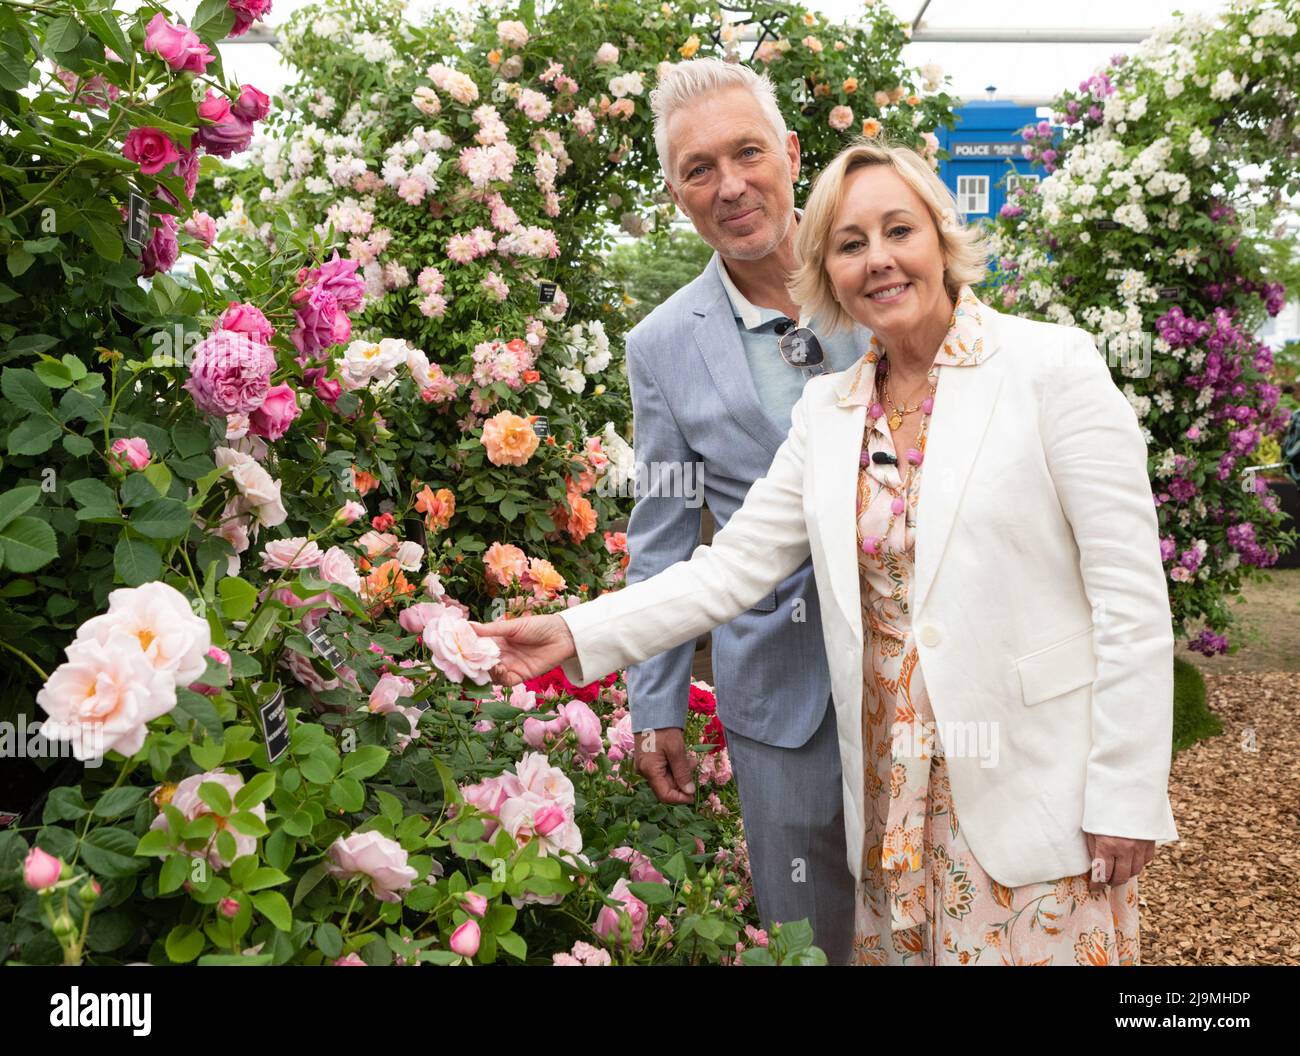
x: 884, y: 458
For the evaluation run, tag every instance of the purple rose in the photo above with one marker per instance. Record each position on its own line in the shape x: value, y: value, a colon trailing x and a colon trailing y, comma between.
x: 339, y: 277
x: 228, y: 136
x: 230, y: 373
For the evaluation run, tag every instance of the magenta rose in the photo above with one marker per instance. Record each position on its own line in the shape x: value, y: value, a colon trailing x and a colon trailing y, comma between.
x: 246, y: 13
x: 228, y: 136
x: 178, y: 46
x: 151, y: 148
x: 215, y: 107
x: 162, y: 249
x: 338, y: 277
x: 278, y: 410
x: 252, y: 104
x: 230, y: 373
x: 321, y: 323
x: 246, y: 319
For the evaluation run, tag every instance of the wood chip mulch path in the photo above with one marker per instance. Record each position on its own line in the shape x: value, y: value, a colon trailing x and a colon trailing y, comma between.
x: 1228, y: 891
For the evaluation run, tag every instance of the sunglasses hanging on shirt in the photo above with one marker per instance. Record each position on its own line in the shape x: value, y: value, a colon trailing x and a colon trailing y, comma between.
x: 799, y: 346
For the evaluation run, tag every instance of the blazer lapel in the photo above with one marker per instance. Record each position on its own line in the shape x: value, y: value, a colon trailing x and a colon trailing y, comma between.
x: 720, y: 346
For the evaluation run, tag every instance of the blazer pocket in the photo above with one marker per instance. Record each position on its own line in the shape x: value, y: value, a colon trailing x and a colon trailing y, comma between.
x: 767, y: 604
x: 1058, y: 668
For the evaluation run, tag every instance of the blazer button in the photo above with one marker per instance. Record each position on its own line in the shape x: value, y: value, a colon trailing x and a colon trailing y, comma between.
x: 930, y: 635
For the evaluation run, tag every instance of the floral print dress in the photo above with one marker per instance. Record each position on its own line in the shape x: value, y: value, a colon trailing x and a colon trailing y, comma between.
x: 924, y: 898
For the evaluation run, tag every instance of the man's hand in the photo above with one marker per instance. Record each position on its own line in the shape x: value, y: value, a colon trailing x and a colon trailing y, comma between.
x: 1116, y: 859
x: 662, y: 759
x: 530, y: 646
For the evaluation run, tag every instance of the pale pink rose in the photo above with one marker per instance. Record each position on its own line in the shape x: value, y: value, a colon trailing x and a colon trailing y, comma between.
x: 489, y: 795
x: 41, y: 870
x: 202, y: 227
x: 414, y: 618
x: 458, y: 651
x: 536, y: 774
x: 512, y: 34
x: 374, y: 855
x: 352, y: 960
x: 178, y: 46
x: 133, y: 451
x: 840, y: 118
x: 186, y: 799
x: 384, y: 697
x: 606, y: 55
x: 350, y: 511
x: 433, y: 586
x: 474, y: 904
x: 151, y: 148
x: 538, y: 733
x: 642, y: 869
x: 586, y: 724
x: 378, y: 544
x: 160, y: 619
x: 607, y: 921
x: 410, y: 556
x: 297, y: 552
x: 465, y: 939
x: 336, y: 566
x: 236, y: 426
x: 278, y: 410
x: 622, y: 741
x: 303, y: 672
x: 531, y: 816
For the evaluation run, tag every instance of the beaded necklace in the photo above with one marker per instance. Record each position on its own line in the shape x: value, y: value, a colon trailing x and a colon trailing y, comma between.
x: 871, y: 544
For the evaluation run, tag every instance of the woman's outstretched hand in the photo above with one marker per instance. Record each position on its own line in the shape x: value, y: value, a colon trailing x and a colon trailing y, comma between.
x: 530, y: 646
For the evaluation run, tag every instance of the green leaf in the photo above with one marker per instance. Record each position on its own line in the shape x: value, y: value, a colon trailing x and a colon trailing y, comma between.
x: 159, y: 476
x: 89, y: 491
x: 136, y: 562
x: 162, y: 519
x: 106, y: 28
x: 110, y: 852
x: 255, y: 791
x: 184, y: 943
x: 19, y: 260
x: 117, y: 801
x: 275, y: 907
x: 63, y: 34
x: 213, y: 19
x: 216, y: 797
x: 17, y: 501
x: 513, y: 944
x: 246, y: 823
x: 365, y: 761
x: 64, y: 803
x: 329, y: 940
x: 238, y: 597
x: 200, y: 708
x: 104, y: 238
x: 651, y: 892
x: 29, y: 544
x: 77, y: 446
x: 175, y: 871
x: 33, y: 436
x: 54, y: 374
x: 153, y: 843
x: 263, y: 878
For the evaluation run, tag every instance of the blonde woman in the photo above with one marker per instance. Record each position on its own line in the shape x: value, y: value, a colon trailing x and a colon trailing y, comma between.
x: 974, y: 497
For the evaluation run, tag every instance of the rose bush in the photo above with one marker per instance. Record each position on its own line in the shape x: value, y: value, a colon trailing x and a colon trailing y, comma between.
x: 1152, y: 229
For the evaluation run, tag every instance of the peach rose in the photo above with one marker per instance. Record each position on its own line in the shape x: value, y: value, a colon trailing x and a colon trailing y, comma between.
x: 509, y: 439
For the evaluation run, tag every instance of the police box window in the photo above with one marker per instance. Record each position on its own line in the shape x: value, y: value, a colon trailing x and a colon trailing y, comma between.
x: 1017, y: 179
x: 973, y: 194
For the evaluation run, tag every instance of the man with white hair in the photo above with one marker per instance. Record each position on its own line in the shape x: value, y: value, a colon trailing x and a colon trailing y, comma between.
x: 715, y: 371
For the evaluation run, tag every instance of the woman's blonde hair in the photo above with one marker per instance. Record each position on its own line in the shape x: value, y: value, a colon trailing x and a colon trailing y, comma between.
x: 965, y: 251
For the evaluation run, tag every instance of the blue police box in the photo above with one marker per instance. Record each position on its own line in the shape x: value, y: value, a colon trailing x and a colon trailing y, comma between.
x: 984, y: 139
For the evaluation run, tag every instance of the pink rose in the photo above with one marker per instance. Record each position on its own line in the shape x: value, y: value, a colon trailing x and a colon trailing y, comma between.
x: 230, y: 373
x: 252, y: 104
x: 414, y: 618
x: 642, y: 870
x: 41, y: 870
x: 473, y: 904
x: 374, y: 855
x: 151, y: 148
x: 489, y: 795
x: 465, y: 939
x: 339, y: 278
x: 187, y: 167
x: 132, y: 450
x: 160, y: 252
x: 246, y: 319
x: 186, y: 799
x: 246, y: 13
x: 277, y: 412
x: 297, y: 552
x: 585, y: 723
x: 202, y: 227
x: 607, y: 921
x: 388, y: 690
x: 215, y: 107
x: 337, y: 567
x: 351, y: 960
x: 178, y: 46
x: 458, y: 651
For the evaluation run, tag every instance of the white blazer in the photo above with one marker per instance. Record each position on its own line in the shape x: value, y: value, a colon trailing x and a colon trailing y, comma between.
x: 1039, y: 600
